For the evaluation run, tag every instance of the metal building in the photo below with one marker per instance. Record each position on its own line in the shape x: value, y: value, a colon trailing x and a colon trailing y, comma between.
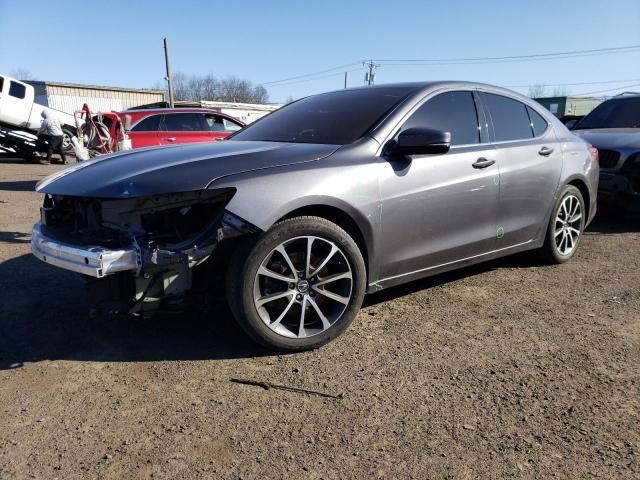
x: 561, y: 106
x: 69, y: 97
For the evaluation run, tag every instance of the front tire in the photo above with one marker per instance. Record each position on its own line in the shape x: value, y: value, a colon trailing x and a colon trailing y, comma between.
x: 299, y: 286
x: 565, y: 226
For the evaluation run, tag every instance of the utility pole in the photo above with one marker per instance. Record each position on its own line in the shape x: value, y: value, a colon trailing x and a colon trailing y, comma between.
x: 370, y: 76
x: 345, y: 79
x: 168, y: 77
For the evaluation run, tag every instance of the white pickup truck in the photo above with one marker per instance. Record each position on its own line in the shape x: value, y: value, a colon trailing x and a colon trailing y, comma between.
x: 19, y: 113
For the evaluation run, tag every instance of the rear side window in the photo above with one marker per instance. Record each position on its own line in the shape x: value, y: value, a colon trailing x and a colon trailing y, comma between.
x: 184, y: 122
x: 509, y: 117
x: 453, y: 112
x: 17, y: 90
x: 1, y: 84
x: 538, y: 123
x: 149, y: 124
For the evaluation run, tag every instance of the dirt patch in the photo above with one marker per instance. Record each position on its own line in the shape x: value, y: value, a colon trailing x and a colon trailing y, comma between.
x: 508, y: 369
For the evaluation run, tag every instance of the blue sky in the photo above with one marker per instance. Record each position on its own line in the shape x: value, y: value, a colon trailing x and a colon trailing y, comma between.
x: 267, y: 41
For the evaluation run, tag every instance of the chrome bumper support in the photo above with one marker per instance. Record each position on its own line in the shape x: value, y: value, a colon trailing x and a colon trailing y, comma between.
x: 93, y: 261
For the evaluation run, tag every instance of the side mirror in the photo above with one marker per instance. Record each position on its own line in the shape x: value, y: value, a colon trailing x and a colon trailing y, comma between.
x: 127, y: 122
x: 420, y: 141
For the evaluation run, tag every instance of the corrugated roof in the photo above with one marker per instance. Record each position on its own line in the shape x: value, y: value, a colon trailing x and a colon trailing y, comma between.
x: 93, y: 87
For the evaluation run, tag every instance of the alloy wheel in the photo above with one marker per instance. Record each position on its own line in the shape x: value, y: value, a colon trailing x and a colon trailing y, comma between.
x: 303, y: 287
x: 567, y: 228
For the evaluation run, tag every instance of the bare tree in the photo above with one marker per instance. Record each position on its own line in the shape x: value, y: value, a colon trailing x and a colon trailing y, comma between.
x: 289, y: 100
x: 560, y: 92
x: 538, y: 90
x: 22, y: 74
x: 230, y: 89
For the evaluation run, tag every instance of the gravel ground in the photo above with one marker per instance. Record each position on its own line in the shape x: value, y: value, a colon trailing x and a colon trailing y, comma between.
x: 508, y: 369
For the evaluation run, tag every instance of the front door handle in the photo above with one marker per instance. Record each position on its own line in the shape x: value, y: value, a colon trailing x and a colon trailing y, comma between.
x: 483, y: 163
x: 170, y: 139
x: 545, y: 151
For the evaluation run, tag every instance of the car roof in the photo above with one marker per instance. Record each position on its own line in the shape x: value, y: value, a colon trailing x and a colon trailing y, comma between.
x: 174, y: 110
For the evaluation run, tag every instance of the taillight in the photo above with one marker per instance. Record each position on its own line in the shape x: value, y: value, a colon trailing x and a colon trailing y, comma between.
x: 594, y: 153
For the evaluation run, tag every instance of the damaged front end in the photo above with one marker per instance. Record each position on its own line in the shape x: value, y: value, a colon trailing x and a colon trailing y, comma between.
x: 143, y: 251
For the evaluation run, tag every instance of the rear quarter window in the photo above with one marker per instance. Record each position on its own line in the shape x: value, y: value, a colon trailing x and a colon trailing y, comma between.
x: 509, y: 117
x: 538, y: 122
x: 17, y: 90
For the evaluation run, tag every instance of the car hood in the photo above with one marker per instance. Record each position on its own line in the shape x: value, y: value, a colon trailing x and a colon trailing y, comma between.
x: 611, y: 138
x: 180, y: 168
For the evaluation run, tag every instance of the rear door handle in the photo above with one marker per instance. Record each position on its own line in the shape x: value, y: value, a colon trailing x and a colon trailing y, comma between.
x: 483, y: 163
x: 545, y: 151
x: 170, y: 139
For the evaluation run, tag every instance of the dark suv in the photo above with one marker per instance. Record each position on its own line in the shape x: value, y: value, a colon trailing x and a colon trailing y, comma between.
x: 613, y: 127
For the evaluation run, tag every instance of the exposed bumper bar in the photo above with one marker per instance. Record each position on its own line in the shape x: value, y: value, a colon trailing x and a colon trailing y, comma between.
x: 93, y: 261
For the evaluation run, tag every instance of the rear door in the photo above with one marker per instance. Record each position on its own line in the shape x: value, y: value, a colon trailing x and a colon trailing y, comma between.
x: 219, y: 126
x: 184, y: 127
x: 145, y: 133
x: 440, y: 209
x: 530, y: 160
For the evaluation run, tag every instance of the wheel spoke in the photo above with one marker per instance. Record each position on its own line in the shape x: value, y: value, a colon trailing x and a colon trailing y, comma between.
x: 558, y: 232
x: 323, y: 319
x: 333, y: 251
x: 333, y: 278
x: 307, y: 267
x: 270, y: 273
x: 275, y: 296
x: 332, y: 296
x: 284, y: 312
x: 574, y: 231
x: 301, y: 332
x: 575, y: 218
x: 287, y: 259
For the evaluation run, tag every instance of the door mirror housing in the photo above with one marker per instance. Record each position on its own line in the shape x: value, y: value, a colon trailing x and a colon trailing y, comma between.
x: 420, y: 141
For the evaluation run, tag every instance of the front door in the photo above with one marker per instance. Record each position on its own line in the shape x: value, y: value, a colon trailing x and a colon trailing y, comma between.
x: 184, y: 127
x: 440, y: 209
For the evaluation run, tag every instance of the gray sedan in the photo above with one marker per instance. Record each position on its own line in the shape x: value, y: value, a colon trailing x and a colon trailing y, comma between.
x: 336, y: 195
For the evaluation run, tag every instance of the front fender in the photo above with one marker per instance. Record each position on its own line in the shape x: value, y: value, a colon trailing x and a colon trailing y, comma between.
x: 262, y: 199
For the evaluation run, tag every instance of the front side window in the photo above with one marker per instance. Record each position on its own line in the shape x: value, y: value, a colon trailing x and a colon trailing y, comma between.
x: 218, y: 123
x: 453, y: 112
x: 184, y: 122
x: 335, y: 118
x: 230, y: 125
x: 509, y: 117
x: 149, y: 124
x: 1, y: 84
x: 17, y: 90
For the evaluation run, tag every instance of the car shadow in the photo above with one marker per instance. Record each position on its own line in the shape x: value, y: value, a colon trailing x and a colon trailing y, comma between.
x: 19, y: 186
x: 15, y: 237
x: 609, y: 222
x: 44, y: 315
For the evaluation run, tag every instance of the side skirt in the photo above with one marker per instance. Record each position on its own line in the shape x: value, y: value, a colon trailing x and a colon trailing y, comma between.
x: 445, y: 267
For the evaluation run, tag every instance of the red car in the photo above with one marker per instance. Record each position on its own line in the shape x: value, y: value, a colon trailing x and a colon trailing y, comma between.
x: 166, y: 126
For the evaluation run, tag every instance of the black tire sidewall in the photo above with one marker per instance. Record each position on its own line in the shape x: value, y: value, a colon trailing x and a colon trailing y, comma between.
x: 248, y: 258
x: 550, y: 248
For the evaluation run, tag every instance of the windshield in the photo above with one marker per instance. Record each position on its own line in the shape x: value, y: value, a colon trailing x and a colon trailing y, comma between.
x: 335, y: 118
x: 618, y: 113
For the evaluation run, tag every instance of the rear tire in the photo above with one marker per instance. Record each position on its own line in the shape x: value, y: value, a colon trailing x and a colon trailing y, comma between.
x: 565, y: 226
x: 67, y: 135
x: 317, y: 275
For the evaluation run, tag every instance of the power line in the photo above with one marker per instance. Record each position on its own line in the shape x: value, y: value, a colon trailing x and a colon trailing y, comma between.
x: 572, y: 53
x: 573, y: 84
x: 334, y: 74
x: 339, y: 67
